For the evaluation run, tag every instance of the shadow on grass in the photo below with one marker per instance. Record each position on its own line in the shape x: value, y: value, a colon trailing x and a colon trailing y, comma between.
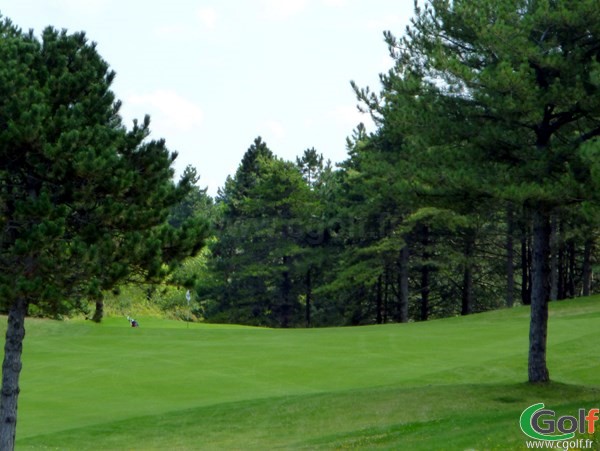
x: 428, y: 417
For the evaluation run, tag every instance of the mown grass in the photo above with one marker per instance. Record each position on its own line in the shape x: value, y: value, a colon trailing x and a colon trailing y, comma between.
x: 448, y: 384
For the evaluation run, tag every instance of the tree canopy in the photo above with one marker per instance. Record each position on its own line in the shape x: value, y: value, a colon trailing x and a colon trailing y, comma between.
x: 84, y: 201
x: 479, y: 183
x: 498, y: 101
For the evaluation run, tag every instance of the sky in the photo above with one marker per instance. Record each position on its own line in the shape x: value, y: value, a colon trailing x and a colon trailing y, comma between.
x: 214, y: 75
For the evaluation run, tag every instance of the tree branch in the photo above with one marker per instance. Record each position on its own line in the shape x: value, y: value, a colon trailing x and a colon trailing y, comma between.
x: 589, y: 135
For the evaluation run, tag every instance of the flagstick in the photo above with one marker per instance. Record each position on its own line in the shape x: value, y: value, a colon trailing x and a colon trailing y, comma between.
x: 188, y: 296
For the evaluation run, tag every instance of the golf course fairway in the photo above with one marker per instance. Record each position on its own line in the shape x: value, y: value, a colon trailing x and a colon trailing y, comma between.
x: 456, y: 383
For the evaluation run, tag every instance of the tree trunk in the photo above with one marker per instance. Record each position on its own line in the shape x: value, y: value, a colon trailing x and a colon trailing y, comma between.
x: 571, y: 276
x: 404, y: 254
x: 467, y: 287
x: 386, y: 294
x: 286, y: 288
x: 538, y: 329
x: 11, y: 369
x: 379, y: 300
x: 425, y: 293
x: 529, y: 272
x: 587, y: 267
x: 510, y: 257
x: 562, y: 266
x: 554, y: 245
x: 308, y: 297
x: 425, y: 275
x: 525, y: 267
x: 99, y: 312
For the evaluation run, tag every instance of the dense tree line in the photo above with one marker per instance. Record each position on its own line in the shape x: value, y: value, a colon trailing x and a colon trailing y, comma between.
x: 477, y: 190
x: 314, y: 246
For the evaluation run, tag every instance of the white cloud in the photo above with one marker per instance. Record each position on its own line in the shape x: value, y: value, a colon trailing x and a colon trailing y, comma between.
x: 349, y: 116
x: 89, y: 7
x: 168, y: 110
x: 282, y: 9
x: 174, y: 32
x: 207, y: 17
x: 394, y: 23
x: 279, y: 10
x: 275, y: 129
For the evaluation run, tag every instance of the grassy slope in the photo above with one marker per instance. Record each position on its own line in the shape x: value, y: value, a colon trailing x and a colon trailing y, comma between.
x: 447, y: 384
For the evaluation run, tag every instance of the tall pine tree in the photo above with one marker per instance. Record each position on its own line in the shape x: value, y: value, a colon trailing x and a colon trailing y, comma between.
x: 83, y: 201
x: 498, y: 100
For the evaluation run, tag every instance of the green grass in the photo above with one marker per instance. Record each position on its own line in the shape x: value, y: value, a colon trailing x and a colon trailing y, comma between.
x: 448, y: 384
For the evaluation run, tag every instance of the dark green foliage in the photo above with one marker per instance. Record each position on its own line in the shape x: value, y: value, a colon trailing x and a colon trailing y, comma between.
x: 269, y: 222
x: 84, y: 201
x: 78, y: 189
x: 236, y: 188
x: 486, y: 121
x: 311, y: 166
x: 498, y: 101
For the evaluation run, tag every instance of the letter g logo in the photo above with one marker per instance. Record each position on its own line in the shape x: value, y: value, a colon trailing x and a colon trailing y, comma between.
x: 531, y: 428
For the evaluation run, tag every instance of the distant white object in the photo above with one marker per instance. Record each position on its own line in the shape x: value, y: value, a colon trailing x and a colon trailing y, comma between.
x: 188, y: 296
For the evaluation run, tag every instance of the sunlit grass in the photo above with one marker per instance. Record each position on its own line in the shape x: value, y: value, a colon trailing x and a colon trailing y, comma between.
x: 447, y: 384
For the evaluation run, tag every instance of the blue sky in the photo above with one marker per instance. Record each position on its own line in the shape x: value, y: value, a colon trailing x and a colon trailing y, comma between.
x: 214, y: 75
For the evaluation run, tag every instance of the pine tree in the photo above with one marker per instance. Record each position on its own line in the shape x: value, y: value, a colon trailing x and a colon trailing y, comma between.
x: 83, y: 200
x: 499, y: 101
x: 270, y: 227
x: 311, y: 166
